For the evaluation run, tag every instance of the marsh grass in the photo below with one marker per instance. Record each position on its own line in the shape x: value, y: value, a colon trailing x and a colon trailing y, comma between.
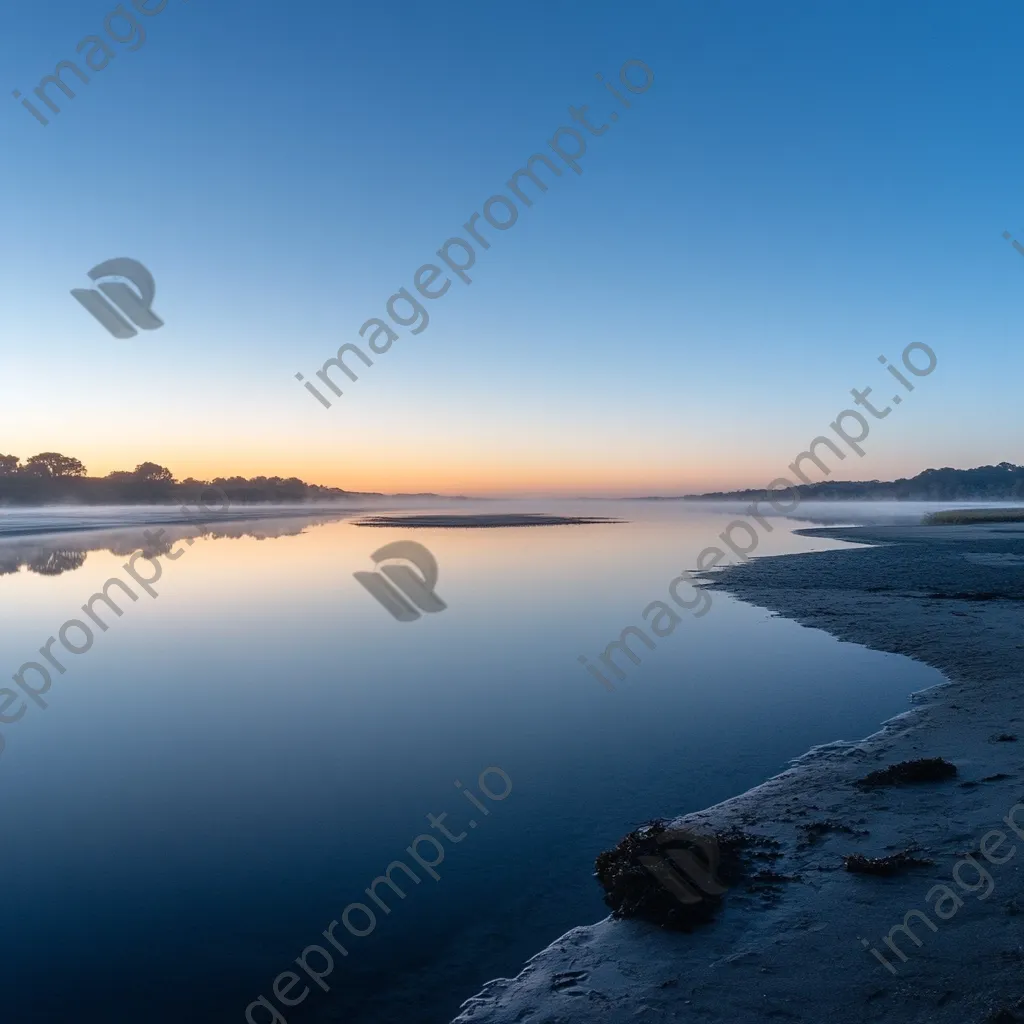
x: 966, y: 516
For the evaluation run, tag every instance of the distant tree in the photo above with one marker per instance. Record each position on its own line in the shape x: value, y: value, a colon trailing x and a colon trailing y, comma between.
x: 53, y: 464
x: 8, y: 465
x: 152, y: 472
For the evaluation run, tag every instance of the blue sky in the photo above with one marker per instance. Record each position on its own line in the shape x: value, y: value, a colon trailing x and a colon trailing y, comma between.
x: 804, y: 187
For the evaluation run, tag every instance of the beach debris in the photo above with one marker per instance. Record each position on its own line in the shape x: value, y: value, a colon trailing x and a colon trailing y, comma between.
x: 676, y: 877
x: 814, y: 831
x: 921, y: 769
x: 893, y: 864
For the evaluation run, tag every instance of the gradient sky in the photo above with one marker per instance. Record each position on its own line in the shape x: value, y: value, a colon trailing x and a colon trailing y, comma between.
x: 804, y: 187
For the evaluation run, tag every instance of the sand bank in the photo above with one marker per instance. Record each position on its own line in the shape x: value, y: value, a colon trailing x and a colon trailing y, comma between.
x: 791, y: 950
x: 482, y: 522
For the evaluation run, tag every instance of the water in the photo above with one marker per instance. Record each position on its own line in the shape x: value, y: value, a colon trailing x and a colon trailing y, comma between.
x: 232, y: 763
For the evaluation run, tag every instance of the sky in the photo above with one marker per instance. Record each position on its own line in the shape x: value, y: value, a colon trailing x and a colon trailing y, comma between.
x: 802, y: 188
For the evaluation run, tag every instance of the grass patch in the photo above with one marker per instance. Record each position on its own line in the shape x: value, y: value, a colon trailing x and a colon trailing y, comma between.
x: 966, y: 516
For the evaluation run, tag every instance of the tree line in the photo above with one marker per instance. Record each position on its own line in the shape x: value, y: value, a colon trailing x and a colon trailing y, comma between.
x: 1003, y: 482
x: 51, y: 477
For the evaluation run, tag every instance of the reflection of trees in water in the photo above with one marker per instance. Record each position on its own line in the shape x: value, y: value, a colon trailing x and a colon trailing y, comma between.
x: 49, y: 559
x: 53, y: 563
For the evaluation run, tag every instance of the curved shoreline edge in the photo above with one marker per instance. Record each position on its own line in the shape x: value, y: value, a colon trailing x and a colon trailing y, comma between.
x: 952, y: 597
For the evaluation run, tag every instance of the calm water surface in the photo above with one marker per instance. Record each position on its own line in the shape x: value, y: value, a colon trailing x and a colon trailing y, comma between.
x: 234, y: 762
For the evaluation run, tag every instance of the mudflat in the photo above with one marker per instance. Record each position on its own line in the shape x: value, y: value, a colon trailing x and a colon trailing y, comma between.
x: 896, y: 903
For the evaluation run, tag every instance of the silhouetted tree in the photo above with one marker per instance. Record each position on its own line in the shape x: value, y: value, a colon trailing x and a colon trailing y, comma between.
x: 8, y: 465
x: 53, y: 464
x: 153, y: 473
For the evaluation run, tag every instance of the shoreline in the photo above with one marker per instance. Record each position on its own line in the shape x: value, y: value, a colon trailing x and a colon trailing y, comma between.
x: 799, y: 948
x: 48, y: 520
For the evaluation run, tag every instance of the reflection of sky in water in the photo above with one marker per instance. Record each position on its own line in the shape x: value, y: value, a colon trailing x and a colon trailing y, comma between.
x: 233, y: 762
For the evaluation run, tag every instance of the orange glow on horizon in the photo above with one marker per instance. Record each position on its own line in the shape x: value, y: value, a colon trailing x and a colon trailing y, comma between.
x: 509, y: 477
x: 509, y: 472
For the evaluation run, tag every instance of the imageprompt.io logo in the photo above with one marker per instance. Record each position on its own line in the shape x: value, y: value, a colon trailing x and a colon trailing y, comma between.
x: 403, y: 591
x: 691, y: 876
x: 135, y: 303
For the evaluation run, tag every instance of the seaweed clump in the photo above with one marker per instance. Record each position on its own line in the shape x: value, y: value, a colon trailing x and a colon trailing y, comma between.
x: 675, y: 878
x: 815, y: 831
x: 894, y: 864
x: 921, y: 769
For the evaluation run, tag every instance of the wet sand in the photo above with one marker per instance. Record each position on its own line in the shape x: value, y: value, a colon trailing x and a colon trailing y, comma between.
x: 791, y: 949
